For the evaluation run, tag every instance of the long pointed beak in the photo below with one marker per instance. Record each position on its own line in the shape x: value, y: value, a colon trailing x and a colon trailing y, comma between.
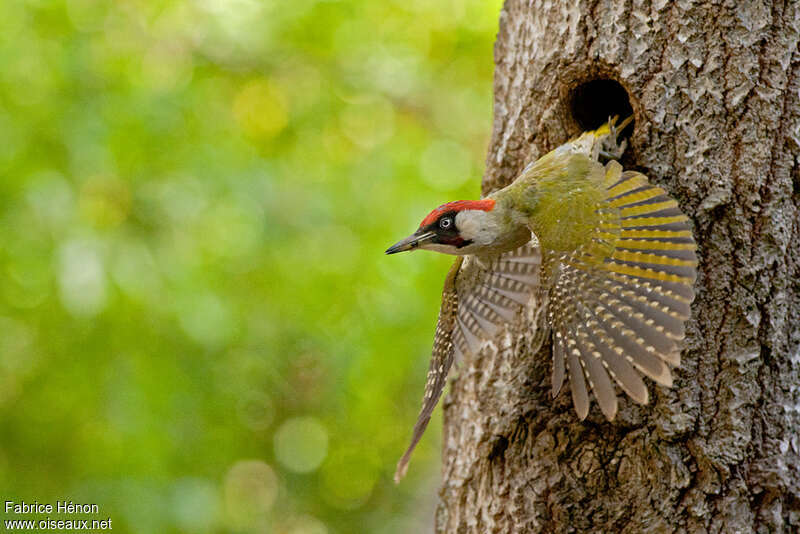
x: 410, y: 243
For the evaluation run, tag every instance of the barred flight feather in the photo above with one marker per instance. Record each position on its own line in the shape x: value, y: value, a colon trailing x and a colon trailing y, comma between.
x: 596, y: 374
x: 506, y: 284
x: 441, y: 361
x: 477, y: 300
x: 620, y: 314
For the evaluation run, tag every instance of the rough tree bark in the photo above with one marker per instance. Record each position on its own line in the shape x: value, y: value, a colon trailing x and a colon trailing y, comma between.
x: 714, y: 89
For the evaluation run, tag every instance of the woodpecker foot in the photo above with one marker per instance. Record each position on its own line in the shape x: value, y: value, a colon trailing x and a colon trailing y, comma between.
x: 611, y: 147
x: 614, y: 152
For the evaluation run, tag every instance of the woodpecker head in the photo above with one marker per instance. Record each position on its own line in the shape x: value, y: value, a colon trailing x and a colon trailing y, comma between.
x: 461, y: 227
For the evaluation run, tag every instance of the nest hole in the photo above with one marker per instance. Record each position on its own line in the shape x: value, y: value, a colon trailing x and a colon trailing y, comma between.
x: 593, y: 102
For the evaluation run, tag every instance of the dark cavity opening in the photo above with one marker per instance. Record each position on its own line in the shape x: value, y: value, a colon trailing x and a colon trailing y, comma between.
x: 593, y: 102
x: 498, y: 447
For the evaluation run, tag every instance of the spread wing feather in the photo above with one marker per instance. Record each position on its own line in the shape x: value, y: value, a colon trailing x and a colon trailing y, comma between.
x: 441, y: 361
x: 479, y: 297
x: 498, y: 290
x: 617, y: 306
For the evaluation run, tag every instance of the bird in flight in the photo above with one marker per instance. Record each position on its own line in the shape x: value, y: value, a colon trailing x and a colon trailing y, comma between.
x: 606, y: 256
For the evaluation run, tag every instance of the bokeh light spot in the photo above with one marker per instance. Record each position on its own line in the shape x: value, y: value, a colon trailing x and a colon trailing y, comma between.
x: 368, y: 121
x: 349, y: 476
x: 52, y: 199
x: 82, y: 278
x: 87, y: 15
x: 17, y: 359
x: 260, y: 109
x: 250, y: 489
x: 166, y: 66
x: 233, y: 227
x: 255, y: 410
x: 135, y: 271
x: 28, y: 280
x: 207, y: 320
x: 306, y: 524
x: 195, y: 504
x: 105, y: 201
x: 301, y: 444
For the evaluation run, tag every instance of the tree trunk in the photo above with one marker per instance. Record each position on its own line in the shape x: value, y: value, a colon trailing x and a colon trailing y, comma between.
x: 714, y: 90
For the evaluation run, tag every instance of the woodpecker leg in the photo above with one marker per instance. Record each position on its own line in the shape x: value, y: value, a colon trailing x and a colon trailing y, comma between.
x: 611, y: 147
x: 614, y: 151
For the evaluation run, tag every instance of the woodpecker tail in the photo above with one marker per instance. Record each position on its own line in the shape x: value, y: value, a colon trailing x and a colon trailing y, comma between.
x: 617, y: 305
x: 611, y: 128
x: 603, y: 142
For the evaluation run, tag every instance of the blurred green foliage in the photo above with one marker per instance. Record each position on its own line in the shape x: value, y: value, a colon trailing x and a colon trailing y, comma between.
x: 199, y: 330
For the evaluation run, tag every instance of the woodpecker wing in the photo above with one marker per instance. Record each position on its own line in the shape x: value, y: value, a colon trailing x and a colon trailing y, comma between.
x: 491, y: 293
x: 618, y: 304
x: 441, y: 361
x: 479, y: 296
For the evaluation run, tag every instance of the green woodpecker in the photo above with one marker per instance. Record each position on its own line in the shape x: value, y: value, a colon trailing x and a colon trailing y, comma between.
x: 607, y: 257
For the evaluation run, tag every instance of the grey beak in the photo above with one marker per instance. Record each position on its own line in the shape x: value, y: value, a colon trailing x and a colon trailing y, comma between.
x: 410, y: 243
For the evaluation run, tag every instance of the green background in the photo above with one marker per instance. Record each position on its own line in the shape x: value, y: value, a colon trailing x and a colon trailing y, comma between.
x: 199, y: 331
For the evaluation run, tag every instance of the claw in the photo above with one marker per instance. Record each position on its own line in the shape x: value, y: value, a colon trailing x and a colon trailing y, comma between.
x: 610, y: 148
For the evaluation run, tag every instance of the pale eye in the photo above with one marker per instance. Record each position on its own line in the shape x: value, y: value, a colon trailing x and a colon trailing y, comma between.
x: 446, y: 222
